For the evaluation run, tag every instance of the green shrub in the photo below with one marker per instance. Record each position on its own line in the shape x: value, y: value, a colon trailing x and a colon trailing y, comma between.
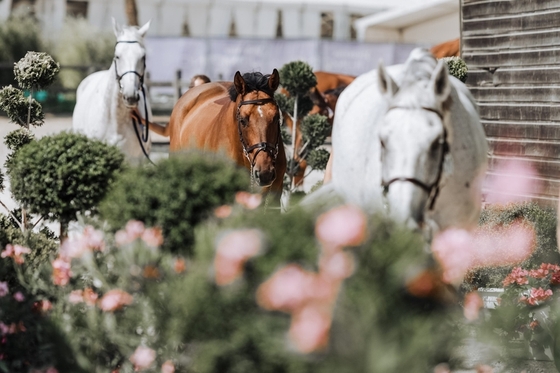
x: 176, y: 195
x: 60, y: 176
x: 36, y: 70
x: 297, y: 77
x: 457, y: 67
x: 546, y: 250
x: 18, y: 35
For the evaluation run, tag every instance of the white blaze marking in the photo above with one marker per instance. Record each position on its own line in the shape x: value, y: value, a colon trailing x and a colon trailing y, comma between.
x: 260, y: 111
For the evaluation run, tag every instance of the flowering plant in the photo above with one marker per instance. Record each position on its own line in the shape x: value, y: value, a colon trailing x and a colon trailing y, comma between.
x: 523, y: 311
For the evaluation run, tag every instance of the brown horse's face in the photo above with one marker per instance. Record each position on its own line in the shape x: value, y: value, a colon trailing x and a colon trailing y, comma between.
x: 258, y: 119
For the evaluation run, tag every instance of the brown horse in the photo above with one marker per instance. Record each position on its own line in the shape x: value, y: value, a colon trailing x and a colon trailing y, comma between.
x: 324, y: 96
x: 240, y: 119
x: 449, y: 48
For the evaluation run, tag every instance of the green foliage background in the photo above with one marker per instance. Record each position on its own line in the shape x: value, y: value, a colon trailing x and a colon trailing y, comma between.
x: 176, y: 195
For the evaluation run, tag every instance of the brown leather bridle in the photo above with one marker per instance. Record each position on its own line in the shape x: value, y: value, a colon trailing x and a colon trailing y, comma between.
x: 271, y: 149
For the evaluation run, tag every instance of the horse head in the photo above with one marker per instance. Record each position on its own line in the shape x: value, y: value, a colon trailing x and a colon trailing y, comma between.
x: 413, y: 138
x: 258, y: 121
x: 130, y: 61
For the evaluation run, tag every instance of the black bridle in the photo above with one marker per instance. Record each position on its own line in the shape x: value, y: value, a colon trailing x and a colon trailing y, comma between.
x: 271, y: 149
x: 431, y: 189
x: 143, y: 137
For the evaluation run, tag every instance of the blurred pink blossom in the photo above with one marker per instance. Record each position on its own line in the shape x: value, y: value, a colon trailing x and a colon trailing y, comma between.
x: 114, y: 300
x: 233, y: 250
x: 152, y: 237
x: 484, y: 369
x: 223, y: 211
x: 142, y: 358
x: 168, y: 367
x: 248, y: 200
x: 286, y: 290
x: 341, y: 226
x: 4, y: 290
x: 505, y: 245
x: 337, y: 266
x: 453, y: 249
x: 4, y: 329
x: 132, y: 231
x: 61, y: 271
x: 90, y: 239
x: 16, y: 252
x: 517, y: 276
x: 473, y: 304
x: 511, y: 181
x: 18, y: 296
x: 51, y: 370
x: 75, y: 296
x: 458, y: 250
x: 309, y: 330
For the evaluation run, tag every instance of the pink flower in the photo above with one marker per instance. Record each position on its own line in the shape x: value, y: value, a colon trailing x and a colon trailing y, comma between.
x: 168, y: 367
x: 133, y: 230
x: 337, y: 266
x: 114, y: 300
x: 93, y: 238
x: 4, y: 288
x: 51, y: 370
x: 341, y: 226
x: 248, y: 200
x: 42, y: 306
x: 506, y: 245
x: 4, y: 329
x: 142, y: 358
x: 75, y: 296
x: 536, y: 296
x: 309, y: 330
x: 18, y: 296
x: 517, y: 276
x: 291, y: 288
x: 61, y: 271
x: 152, y: 237
x: 511, y: 181
x: 233, y: 250
x: 472, y: 306
x: 16, y: 252
x: 452, y: 248
x: 89, y: 296
x: 223, y: 211
x: 90, y: 240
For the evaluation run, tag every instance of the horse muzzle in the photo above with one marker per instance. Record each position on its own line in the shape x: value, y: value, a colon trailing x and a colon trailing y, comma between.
x: 264, y: 178
x: 132, y: 100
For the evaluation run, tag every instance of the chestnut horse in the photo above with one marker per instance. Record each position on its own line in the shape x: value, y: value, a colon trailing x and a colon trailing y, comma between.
x: 240, y: 119
x: 324, y: 96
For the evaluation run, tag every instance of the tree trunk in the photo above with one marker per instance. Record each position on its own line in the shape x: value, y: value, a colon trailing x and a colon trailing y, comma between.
x: 131, y: 12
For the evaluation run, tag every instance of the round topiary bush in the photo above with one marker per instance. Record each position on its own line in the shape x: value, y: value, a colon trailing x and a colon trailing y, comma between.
x: 60, y: 176
x: 36, y: 70
x: 175, y: 195
x: 457, y: 67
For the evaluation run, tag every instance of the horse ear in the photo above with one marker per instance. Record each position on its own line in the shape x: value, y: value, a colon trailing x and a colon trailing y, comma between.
x: 440, y: 81
x: 116, y: 27
x: 239, y: 83
x: 386, y: 84
x: 144, y: 28
x: 274, y: 80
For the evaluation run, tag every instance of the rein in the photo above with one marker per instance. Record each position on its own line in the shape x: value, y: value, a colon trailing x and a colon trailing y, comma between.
x: 433, y: 189
x: 142, y: 137
x: 271, y: 149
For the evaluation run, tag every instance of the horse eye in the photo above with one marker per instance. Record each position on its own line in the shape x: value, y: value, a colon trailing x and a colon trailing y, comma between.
x: 244, y: 122
x: 116, y: 57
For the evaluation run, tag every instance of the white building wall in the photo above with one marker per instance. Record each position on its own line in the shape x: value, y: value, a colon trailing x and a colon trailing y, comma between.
x: 435, y: 31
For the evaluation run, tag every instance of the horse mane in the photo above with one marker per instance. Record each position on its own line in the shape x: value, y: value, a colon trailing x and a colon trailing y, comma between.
x: 335, y: 91
x: 418, y: 71
x: 254, y: 81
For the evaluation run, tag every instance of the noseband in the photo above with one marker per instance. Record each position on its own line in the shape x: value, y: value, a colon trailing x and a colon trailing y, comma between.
x: 271, y: 149
x: 142, y: 138
x: 431, y: 189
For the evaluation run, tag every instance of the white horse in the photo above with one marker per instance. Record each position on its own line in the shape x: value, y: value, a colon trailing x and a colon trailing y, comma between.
x: 106, y: 100
x: 408, y: 139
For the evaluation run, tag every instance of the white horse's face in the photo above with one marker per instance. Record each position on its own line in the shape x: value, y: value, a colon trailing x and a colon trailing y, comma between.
x: 413, y: 143
x: 130, y: 61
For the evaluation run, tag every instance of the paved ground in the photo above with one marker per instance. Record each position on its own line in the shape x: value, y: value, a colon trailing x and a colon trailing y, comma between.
x: 472, y: 352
